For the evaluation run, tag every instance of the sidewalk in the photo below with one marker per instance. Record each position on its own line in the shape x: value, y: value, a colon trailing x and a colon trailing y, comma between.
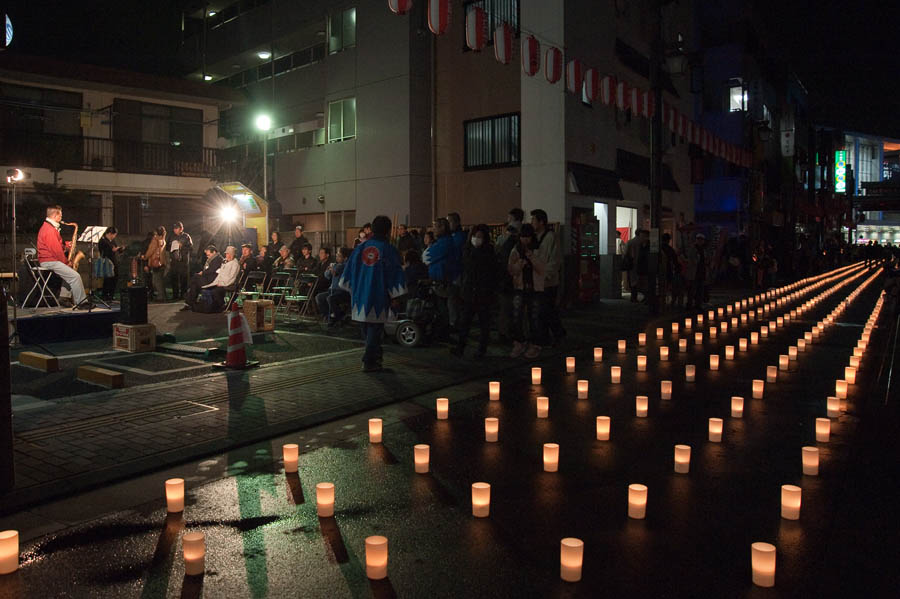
x: 73, y: 443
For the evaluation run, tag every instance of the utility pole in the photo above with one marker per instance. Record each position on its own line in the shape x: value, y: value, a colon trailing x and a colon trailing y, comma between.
x: 656, y: 151
x: 7, y: 460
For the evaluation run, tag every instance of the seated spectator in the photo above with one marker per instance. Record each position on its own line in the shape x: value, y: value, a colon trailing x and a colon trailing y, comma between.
x: 321, y: 266
x: 226, y: 277
x: 206, y: 275
x: 329, y: 301
x: 306, y: 263
x: 264, y: 261
x: 414, y: 269
x: 284, y: 260
x: 247, y: 261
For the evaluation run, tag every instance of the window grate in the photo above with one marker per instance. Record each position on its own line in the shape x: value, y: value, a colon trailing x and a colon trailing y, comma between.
x: 491, y: 142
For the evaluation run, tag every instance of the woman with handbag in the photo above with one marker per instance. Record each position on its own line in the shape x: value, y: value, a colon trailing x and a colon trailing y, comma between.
x: 155, y: 259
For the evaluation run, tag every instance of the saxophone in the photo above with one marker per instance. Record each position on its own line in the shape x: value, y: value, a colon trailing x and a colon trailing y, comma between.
x: 75, y: 257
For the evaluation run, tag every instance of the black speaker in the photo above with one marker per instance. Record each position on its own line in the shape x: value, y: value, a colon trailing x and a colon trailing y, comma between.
x: 133, y: 305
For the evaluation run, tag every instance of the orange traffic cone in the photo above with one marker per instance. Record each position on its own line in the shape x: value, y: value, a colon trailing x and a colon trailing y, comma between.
x: 237, y: 331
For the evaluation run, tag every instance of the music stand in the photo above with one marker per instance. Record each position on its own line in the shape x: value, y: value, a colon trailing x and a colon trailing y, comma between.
x: 92, y: 236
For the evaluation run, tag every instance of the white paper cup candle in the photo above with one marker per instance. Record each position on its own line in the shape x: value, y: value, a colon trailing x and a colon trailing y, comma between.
x: 621, y: 346
x: 858, y: 352
x: 674, y: 328
x: 713, y: 332
x: 699, y: 319
x: 571, y: 556
x: 801, y: 345
x: 615, y: 374
x: 642, y: 363
x: 791, y: 496
x: 551, y: 457
x: 325, y: 500
x: 193, y: 548
x: 570, y: 364
x: 744, y: 319
x: 582, y: 389
x: 729, y: 352
x: 754, y: 338
x: 723, y: 327
x: 737, y: 406
x: 494, y: 390
x: 543, y: 407
x: 840, y: 389
x: 690, y: 373
x: 442, y: 408
x: 375, y: 426
x: 720, y: 312
x: 421, y: 456
x: 598, y: 354
x: 698, y: 338
x: 637, y: 501
x: 715, y: 430
x: 810, y: 456
x: 771, y: 374
x: 742, y: 344
x: 536, y: 375
x: 783, y: 362
x: 642, y: 339
x: 854, y: 362
x: 758, y: 386
x: 850, y: 375
x: 641, y: 404
x: 9, y: 551
x: 764, y: 331
x: 665, y: 389
x: 823, y: 430
x: 807, y: 336
x: 481, y: 500
x: 711, y: 315
x: 682, y: 345
x: 659, y: 333
x: 175, y: 495
x: 763, y: 564
x: 687, y: 324
x: 714, y: 362
x: 833, y: 407
x: 290, y: 453
x: 376, y: 557
x: 734, y: 322
x: 663, y: 353
x: 682, y: 459
x: 491, y: 429
x: 792, y: 353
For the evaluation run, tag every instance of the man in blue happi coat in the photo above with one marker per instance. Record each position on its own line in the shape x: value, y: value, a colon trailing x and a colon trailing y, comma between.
x: 373, y: 276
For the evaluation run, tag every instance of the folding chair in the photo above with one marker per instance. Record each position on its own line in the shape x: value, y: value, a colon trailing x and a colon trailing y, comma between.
x: 41, y: 278
x: 302, y: 295
x: 281, y: 284
x: 241, y: 289
x: 254, y: 285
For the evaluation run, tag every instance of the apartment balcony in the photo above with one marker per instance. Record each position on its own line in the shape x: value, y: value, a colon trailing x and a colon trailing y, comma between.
x: 63, y: 152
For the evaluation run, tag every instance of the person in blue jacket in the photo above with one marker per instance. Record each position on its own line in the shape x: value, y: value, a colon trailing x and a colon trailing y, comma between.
x: 373, y: 276
x: 442, y: 260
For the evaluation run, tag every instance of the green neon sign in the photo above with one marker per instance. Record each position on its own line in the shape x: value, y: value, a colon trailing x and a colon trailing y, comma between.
x: 840, y: 171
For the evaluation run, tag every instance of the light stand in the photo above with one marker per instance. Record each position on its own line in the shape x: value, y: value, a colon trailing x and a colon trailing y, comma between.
x: 13, y: 176
x: 91, y: 235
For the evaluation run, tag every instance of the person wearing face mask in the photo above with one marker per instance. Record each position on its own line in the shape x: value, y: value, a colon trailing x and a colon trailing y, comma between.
x: 527, y: 268
x: 478, y: 289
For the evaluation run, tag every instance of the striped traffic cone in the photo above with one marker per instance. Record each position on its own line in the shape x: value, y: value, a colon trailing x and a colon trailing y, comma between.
x: 236, y: 357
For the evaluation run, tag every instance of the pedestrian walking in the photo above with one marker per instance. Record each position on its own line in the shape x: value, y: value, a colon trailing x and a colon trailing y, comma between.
x: 373, y: 277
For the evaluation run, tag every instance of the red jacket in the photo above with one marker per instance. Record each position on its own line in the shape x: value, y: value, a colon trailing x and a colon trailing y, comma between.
x: 50, y: 245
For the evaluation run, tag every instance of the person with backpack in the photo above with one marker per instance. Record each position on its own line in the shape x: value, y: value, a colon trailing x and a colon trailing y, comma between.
x: 478, y: 288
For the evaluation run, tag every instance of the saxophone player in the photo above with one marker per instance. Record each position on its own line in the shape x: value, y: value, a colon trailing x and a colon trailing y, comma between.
x: 52, y: 255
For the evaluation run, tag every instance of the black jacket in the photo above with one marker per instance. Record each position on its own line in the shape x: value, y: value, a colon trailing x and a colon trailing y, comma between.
x: 480, y: 274
x: 184, y: 251
x: 297, y: 246
x: 405, y: 243
x: 107, y: 248
x: 210, y: 269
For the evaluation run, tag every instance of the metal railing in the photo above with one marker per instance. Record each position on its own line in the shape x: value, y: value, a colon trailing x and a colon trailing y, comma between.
x: 64, y: 152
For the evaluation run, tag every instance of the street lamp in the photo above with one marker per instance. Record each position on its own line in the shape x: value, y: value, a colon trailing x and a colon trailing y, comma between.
x: 264, y: 124
x: 13, y: 176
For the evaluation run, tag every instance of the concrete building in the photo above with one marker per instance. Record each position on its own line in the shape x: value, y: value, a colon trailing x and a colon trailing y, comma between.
x: 347, y: 86
x: 112, y: 147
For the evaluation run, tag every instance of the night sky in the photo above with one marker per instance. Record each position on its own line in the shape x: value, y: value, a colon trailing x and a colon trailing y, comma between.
x: 842, y: 51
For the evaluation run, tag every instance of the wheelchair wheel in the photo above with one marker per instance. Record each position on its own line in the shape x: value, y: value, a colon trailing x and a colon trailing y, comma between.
x: 409, y: 334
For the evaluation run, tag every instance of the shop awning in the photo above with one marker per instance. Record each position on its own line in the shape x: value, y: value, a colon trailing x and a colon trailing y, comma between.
x: 636, y: 168
x: 593, y: 181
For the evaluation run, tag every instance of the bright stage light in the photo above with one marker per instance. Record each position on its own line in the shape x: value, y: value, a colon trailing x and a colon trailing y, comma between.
x: 263, y: 122
x: 228, y: 214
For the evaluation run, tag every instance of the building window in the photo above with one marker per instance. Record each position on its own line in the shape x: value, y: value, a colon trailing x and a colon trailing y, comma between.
x: 737, y: 98
x: 491, y: 142
x: 342, y: 31
x: 342, y: 120
x: 497, y: 11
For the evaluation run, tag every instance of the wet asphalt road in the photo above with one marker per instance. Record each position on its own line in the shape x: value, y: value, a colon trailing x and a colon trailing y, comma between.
x: 264, y: 538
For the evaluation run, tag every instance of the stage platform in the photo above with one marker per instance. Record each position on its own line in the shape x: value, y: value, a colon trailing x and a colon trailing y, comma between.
x: 50, y: 325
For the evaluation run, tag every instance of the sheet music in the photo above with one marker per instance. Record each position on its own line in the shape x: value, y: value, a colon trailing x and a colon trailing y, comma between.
x: 92, y: 234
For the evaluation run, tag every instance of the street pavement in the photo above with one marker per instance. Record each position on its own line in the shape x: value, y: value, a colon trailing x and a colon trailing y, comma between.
x: 264, y: 538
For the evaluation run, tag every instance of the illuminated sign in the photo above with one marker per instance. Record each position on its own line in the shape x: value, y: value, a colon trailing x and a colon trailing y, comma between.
x: 840, y: 171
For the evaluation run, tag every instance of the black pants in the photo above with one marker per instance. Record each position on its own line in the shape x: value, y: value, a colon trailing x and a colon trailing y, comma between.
x: 178, y: 278
x: 526, y: 315
x: 193, y: 290
x: 467, y: 314
x: 109, y: 286
x: 550, y: 317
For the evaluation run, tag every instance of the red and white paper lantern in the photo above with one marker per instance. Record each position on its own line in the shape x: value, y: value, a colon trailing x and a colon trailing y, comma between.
x: 591, y: 85
x: 531, y: 55
x: 622, y: 95
x: 438, y: 16
x: 574, y: 76
x: 503, y: 36
x: 608, y: 90
x: 553, y: 64
x: 648, y: 106
x: 476, y: 28
x: 400, y: 7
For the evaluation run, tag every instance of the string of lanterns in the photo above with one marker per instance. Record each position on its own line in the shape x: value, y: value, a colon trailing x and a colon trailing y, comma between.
x: 580, y: 79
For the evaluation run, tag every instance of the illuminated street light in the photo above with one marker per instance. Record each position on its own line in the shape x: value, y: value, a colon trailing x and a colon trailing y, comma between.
x: 264, y: 55
x: 207, y: 77
x: 263, y: 122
